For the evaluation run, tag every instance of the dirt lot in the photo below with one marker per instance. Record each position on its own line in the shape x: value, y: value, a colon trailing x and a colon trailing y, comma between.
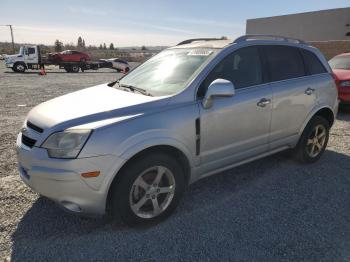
x: 273, y: 209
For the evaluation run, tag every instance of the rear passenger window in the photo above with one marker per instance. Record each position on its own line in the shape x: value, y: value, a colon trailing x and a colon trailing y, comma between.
x: 312, y: 63
x: 284, y: 62
x: 242, y: 68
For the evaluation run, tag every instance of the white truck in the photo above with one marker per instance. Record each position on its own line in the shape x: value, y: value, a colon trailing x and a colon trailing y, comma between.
x: 30, y: 57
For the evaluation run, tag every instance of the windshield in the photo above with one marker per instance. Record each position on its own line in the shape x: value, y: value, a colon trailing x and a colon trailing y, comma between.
x: 340, y: 62
x: 168, y: 72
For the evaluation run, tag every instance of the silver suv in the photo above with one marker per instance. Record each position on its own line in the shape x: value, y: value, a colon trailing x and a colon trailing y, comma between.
x: 206, y: 105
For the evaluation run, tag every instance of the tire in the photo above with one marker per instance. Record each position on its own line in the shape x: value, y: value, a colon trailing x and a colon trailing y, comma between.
x: 127, y: 70
x: 308, y: 142
x: 75, y: 69
x: 130, y: 191
x: 19, y: 67
x: 68, y: 69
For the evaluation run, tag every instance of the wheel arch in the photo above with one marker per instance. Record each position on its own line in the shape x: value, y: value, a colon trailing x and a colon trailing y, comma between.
x: 325, y: 112
x: 20, y: 62
x: 166, y: 149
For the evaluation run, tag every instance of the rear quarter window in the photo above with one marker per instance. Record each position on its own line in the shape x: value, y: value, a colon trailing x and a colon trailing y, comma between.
x: 284, y: 62
x: 312, y: 63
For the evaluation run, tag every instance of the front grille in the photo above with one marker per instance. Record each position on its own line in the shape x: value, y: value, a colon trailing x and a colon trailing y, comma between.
x: 34, y: 127
x: 28, y: 141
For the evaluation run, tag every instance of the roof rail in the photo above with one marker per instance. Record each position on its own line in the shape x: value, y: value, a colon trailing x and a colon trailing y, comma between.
x: 274, y: 37
x: 188, y: 41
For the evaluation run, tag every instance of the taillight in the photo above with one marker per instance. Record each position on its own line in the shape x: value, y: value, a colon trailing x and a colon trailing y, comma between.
x: 335, y: 79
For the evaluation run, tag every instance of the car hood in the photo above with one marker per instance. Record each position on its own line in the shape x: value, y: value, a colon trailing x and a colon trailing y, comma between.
x: 342, y: 74
x: 92, y: 104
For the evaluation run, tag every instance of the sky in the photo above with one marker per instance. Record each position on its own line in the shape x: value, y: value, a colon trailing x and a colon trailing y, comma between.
x: 137, y: 22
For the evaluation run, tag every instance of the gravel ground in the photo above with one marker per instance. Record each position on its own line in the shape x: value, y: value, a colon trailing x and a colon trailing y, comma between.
x: 273, y: 209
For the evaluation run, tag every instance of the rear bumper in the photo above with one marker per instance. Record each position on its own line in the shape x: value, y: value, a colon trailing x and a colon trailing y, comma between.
x: 61, y: 180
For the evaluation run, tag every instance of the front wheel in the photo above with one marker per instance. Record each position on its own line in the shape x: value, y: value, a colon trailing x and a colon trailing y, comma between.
x: 19, y: 67
x: 313, y: 141
x: 149, y: 189
x: 75, y: 69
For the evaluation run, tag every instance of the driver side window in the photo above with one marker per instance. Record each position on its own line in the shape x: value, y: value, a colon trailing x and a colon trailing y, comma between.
x: 242, y: 67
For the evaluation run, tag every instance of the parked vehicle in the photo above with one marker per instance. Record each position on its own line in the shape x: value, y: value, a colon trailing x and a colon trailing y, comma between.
x: 30, y: 57
x: 132, y: 146
x: 2, y: 57
x: 340, y: 65
x: 69, y: 56
x: 117, y: 63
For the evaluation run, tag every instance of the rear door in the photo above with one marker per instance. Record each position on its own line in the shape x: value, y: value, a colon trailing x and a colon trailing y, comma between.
x: 237, y: 127
x: 293, y: 93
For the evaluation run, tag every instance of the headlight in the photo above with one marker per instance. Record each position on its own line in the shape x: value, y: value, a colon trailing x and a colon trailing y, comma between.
x: 345, y: 84
x: 66, y: 144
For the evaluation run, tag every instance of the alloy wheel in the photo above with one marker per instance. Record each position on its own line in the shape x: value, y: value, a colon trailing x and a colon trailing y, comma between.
x: 20, y: 67
x: 316, y: 141
x: 152, y: 192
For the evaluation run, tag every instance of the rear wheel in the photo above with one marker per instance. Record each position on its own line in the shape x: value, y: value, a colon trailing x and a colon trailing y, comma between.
x: 313, y: 141
x: 149, y: 189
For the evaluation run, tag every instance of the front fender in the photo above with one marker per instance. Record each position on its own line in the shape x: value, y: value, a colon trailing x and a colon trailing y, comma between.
x: 149, y: 139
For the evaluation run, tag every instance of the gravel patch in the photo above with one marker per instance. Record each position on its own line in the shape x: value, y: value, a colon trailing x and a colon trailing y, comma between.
x: 273, y: 209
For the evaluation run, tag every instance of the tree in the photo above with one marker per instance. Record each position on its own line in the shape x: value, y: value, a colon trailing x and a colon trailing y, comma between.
x: 80, y: 43
x: 111, y: 46
x: 104, y: 46
x: 58, y: 46
x: 100, y: 47
x: 84, y: 43
x: 143, y: 48
x: 69, y: 46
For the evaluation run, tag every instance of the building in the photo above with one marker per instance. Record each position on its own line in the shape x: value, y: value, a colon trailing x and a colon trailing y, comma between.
x: 328, y: 30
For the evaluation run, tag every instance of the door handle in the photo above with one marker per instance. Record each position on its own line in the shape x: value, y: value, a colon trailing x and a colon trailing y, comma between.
x: 309, y: 91
x: 264, y: 102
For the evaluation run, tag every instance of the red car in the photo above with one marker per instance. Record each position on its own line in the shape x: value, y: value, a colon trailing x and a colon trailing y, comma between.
x: 340, y: 65
x: 69, y: 56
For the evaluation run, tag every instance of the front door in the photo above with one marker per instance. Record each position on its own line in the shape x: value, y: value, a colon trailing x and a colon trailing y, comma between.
x: 236, y: 128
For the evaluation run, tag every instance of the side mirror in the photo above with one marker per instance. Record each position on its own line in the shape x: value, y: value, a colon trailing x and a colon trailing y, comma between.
x: 218, y: 88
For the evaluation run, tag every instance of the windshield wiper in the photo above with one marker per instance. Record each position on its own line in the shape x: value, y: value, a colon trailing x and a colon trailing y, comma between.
x: 113, y: 83
x: 134, y: 88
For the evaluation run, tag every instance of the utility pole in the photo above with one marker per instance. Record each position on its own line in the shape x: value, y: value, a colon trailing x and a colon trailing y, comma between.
x: 13, y: 41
